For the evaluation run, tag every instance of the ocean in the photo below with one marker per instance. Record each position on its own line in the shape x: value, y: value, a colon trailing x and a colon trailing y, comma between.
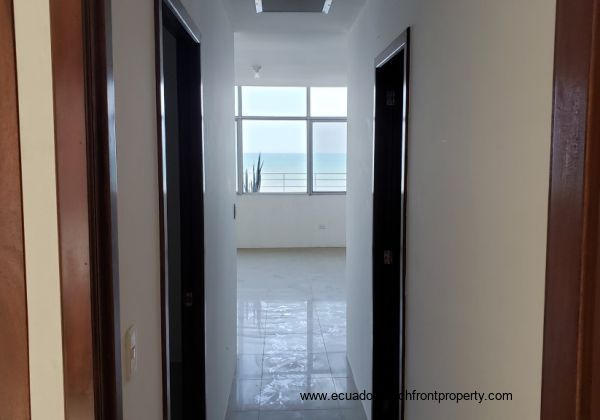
x: 286, y: 172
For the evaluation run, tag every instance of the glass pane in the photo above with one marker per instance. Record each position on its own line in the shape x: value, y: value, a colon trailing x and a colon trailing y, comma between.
x: 260, y: 101
x: 328, y: 102
x: 235, y: 88
x: 281, y: 146
x: 329, y: 156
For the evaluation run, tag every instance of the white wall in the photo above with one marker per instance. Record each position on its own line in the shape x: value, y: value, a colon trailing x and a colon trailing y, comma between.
x: 134, y: 64
x: 479, y: 147
x: 291, y: 221
x: 40, y: 218
x: 138, y: 213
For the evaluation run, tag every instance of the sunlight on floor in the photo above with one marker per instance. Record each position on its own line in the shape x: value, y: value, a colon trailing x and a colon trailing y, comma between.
x: 291, y: 336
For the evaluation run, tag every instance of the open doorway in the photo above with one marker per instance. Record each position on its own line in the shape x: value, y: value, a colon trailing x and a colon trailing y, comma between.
x: 290, y: 217
x: 182, y: 213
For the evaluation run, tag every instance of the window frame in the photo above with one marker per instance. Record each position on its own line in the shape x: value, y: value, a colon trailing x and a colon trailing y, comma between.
x: 310, y: 120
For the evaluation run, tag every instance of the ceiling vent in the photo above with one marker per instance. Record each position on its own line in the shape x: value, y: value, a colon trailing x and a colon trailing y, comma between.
x: 293, y: 6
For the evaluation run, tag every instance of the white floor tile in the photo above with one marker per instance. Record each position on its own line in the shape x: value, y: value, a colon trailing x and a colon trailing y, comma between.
x: 339, y: 364
x: 291, y: 335
x: 294, y: 343
x: 245, y: 395
x: 249, y: 366
x: 315, y: 364
x: 242, y: 415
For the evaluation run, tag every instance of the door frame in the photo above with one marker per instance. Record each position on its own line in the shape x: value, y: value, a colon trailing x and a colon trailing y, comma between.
x: 398, y: 45
x: 102, y: 196
x: 86, y: 168
x: 183, y: 17
x: 571, y: 354
x: 14, y: 363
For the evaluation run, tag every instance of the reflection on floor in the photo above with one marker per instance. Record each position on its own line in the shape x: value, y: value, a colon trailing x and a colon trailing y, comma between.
x: 291, y: 336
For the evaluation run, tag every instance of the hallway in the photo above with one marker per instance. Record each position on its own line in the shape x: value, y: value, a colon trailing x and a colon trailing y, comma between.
x: 193, y: 228
x: 291, y: 333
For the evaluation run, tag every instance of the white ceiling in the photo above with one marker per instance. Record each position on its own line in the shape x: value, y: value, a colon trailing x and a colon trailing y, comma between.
x: 244, y: 18
x: 292, y: 48
x: 291, y: 60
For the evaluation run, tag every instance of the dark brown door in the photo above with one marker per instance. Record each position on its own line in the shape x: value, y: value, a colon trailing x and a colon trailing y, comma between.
x: 14, y: 362
x: 389, y: 229
x: 183, y: 218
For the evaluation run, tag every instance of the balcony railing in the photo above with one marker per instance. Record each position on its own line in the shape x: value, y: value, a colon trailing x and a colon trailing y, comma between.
x: 275, y: 182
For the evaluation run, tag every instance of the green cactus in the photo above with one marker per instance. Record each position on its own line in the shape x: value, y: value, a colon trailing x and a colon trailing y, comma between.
x: 254, y: 184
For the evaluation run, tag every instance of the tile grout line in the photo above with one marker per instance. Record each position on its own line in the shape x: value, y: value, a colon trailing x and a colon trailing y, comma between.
x: 262, y: 361
x: 327, y: 356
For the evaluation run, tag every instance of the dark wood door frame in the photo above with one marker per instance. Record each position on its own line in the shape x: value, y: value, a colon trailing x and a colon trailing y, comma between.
x: 390, y: 188
x: 571, y: 359
x: 85, y: 150
x: 172, y: 14
x: 14, y: 362
x: 102, y: 195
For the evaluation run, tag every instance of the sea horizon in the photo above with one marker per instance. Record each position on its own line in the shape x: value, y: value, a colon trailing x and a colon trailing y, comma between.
x: 286, y: 172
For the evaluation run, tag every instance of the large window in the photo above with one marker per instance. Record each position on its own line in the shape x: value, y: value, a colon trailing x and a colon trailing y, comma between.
x: 291, y: 139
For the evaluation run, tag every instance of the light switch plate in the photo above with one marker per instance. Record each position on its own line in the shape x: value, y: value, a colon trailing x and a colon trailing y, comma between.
x: 131, y: 352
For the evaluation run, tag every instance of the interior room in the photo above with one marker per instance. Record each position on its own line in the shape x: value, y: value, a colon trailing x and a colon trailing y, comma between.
x: 245, y: 209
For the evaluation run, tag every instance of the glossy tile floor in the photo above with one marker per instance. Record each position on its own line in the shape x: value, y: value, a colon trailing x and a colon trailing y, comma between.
x: 291, y: 336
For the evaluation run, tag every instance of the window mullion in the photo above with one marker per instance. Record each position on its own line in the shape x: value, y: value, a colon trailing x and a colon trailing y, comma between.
x: 309, y: 151
x: 240, y: 144
x: 240, y: 156
x: 309, y: 157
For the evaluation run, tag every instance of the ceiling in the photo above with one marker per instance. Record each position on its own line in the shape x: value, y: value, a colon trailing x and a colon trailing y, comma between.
x: 340, y: 18
x: 296, y: 60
